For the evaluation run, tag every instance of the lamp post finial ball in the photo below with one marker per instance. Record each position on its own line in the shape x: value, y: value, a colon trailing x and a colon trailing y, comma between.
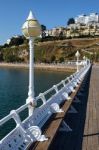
x: 84, y: 57
x: 77, y: 54
x: 31, y: 28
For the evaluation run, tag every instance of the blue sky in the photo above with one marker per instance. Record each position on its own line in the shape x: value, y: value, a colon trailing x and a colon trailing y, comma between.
x: 51, y: 13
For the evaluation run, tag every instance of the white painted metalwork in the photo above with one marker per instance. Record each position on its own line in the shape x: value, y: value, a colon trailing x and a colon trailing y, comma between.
x: 77, y: 55
x: 29, y: 130
x: 31, y: 29
x: 66, y: 96
x: 55, y: 108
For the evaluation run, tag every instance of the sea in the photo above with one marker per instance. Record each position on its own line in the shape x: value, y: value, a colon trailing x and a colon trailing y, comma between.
x: 14, y: 90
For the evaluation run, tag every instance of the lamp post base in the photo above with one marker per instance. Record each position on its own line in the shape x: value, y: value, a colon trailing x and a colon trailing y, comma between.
x: 31, y: 106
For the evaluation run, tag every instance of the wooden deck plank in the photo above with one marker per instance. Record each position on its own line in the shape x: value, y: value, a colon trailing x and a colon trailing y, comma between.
x: 91, y: 130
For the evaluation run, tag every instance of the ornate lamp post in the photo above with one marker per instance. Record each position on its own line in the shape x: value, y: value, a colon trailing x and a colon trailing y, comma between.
x: 31, y: 29
x: 77, y: 55
x: 84, y: 58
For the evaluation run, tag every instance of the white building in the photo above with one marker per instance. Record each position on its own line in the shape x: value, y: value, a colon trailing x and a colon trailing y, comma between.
x: 80, y: 19
x: 84, y: 19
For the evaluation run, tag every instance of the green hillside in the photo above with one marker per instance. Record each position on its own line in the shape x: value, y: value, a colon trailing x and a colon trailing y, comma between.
x: 51, y: 51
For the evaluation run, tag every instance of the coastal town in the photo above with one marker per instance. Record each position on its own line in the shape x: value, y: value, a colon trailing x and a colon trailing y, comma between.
x: 82, y: 25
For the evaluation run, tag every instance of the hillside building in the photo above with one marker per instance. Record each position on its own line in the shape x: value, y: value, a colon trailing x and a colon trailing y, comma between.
x: 85, y: 19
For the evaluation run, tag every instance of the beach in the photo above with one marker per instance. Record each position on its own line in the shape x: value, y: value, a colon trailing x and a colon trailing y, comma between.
x: 42, y: 66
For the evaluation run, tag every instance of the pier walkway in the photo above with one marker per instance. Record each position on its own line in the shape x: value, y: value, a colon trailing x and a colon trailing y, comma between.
x: 91, y: 129
x: 85, y: 123
x: 72, y: 140
x: 73, y: 127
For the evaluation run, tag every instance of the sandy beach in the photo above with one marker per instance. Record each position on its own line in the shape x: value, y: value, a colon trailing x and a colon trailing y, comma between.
x: 42, y: 66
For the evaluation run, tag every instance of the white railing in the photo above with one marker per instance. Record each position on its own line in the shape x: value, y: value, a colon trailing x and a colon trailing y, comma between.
x: 30, y: 129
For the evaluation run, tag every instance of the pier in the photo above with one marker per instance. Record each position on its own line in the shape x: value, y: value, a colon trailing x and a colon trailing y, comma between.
x: 64, y: 116
x: 42, y: 126
x: 48, y: 126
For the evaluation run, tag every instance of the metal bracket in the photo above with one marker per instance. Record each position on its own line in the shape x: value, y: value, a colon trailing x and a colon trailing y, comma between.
x: 72, y: 89
x: 32, y: 133
x: 75, y: 83
x: 78, y: 81
x: 55, y: 108
x: 65, y: 127
x: 37, y: 133
x: 65, y: 95
x: 72, y: 110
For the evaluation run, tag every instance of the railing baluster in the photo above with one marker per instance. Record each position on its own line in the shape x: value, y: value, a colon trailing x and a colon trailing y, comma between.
x: 42, y: 96
x: 56, y: 89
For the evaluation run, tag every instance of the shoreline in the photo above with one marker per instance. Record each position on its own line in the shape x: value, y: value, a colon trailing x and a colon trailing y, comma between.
x: 47, y: 67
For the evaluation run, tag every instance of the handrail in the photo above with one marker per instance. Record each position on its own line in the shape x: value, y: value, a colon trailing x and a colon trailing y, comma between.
x: 8, y: 117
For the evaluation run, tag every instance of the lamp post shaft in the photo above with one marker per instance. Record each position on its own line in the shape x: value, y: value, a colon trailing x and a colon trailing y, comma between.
x: 77, y: 64
x: 31, y: 68
x: 30, y: 98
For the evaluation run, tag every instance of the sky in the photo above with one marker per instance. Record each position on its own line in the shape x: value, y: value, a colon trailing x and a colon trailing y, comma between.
x: 51, y: 13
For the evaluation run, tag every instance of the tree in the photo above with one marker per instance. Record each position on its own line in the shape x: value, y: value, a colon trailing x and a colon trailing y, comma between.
x: 71, y: 21
x: 53, y: 58
x: 17, y: 41
x: 1, y: 54
x: 10, y: 55
x: 43, y: 28
x: 61, y: 59
x: 5, y: 45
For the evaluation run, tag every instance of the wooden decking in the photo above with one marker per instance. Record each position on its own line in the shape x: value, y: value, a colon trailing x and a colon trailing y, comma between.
x: 91, y: 130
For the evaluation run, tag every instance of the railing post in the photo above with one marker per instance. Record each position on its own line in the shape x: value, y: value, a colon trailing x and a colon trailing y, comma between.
x: 16, y: 117
x: 63, y: 82
x: 55, y: 87
x: 68, y: 79
x: 72, y: 77
x: 41, y: 95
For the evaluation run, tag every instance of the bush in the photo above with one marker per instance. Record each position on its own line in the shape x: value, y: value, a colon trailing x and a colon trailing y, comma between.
x: 53, y: 58
x: 61, y: 59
